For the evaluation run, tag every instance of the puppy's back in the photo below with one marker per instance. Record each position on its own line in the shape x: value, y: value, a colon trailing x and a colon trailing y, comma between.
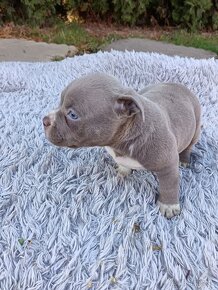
x: 172, y: 97
x: 172, y: 92
x: 180, y: 106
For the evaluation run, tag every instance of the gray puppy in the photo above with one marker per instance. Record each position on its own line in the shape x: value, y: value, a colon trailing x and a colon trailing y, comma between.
x: 153, y: 129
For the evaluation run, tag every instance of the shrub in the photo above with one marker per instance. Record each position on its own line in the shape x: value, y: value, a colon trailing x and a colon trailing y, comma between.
x: 192, y: 14
x: 35, y: 12
x: 129, y: 12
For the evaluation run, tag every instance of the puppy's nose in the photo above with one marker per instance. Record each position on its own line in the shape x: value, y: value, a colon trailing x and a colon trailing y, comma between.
x: 46, y: 121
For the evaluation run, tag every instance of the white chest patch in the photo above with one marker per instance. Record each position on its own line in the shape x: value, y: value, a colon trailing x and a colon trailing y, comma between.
x: 125, y: 161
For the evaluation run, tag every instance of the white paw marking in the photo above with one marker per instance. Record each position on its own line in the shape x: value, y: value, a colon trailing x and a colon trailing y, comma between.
x: 110, y: 151
x: 169, y: 210
x: 123, y: 171
x: 128, y: 162
x: 184, y: 164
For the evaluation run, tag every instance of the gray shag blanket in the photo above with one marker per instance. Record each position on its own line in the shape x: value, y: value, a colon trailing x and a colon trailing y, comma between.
x: 68, y: 222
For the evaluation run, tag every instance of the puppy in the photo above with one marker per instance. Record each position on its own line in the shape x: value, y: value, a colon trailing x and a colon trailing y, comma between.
x: 154, y: 128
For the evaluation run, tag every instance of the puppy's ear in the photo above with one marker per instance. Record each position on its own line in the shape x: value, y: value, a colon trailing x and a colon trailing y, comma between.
x: 128, y: 106
x: 62, y: 97
x: 63, y: 93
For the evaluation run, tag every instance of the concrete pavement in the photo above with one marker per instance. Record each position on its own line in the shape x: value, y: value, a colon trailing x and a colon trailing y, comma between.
x: 28, y: 50
x: 147, y: 45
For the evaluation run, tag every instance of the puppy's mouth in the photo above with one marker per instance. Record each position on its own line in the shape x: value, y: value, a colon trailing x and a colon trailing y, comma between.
x: 59, y: 141
x: 56, y: 139
x: 72, y: 146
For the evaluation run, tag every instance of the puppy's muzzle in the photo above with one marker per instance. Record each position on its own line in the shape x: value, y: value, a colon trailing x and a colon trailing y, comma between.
x: 51, y: 130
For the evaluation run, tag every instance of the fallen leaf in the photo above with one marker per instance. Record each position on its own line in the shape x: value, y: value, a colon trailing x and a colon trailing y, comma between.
x: 21, y: 241
x: 156, y: 248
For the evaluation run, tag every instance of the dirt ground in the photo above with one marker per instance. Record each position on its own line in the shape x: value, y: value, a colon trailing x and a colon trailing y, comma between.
x: 98, y: 29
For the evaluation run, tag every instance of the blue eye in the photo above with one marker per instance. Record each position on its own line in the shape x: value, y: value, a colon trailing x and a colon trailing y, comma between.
x: 72, y: 115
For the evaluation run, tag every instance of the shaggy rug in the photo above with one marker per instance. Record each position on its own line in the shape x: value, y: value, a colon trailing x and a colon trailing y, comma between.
x: 68, y: 222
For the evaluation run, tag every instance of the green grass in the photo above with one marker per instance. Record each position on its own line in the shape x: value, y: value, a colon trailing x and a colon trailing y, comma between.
x: 197, y: 40
x: 75, y: 34
x: 57, y: 58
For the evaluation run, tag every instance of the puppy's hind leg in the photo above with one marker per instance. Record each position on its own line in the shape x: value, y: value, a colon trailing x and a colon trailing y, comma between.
x: 168, y: 199
x: 185, y: 155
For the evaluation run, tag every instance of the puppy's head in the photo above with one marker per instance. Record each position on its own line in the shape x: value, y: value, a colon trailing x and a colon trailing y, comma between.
x: 92, y: 111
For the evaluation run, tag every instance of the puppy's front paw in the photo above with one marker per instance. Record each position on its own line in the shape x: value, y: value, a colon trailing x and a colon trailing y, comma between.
x: 169, y: 210
x: 123, y: 171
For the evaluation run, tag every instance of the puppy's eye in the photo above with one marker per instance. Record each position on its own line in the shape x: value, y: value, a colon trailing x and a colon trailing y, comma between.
x: 72, y: 115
